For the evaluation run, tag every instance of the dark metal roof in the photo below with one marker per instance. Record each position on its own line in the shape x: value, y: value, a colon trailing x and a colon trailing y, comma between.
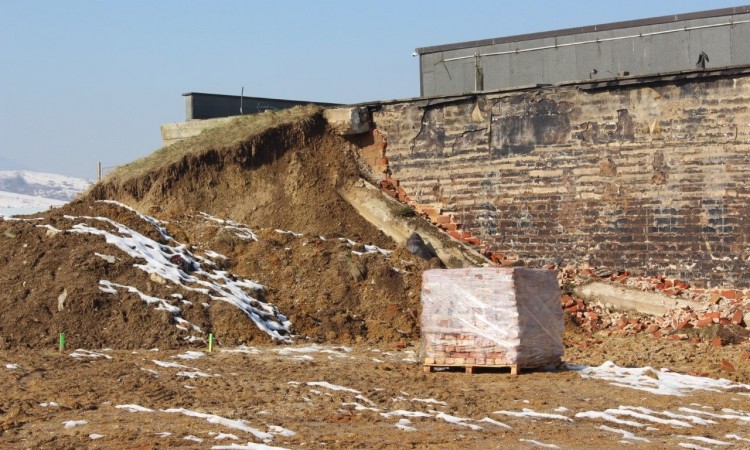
x: 188, y: 94
x: 588, y: 29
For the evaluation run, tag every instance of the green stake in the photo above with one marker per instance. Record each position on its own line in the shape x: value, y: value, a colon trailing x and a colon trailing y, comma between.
x: 62, y: 342
x: 210, y: 342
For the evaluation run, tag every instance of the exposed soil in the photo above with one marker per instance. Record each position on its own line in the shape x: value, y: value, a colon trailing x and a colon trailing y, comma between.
x: 334, y: 292
x: 267, y: 388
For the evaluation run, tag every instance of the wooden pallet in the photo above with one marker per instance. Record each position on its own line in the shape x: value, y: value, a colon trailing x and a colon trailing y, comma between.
x: 468, y: 368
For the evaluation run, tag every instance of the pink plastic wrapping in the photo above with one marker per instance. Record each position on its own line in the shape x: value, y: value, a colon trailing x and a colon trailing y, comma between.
x: 491, y: 316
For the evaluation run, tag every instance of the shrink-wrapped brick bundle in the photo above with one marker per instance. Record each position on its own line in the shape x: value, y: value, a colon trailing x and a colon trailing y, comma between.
x: 491, y: 317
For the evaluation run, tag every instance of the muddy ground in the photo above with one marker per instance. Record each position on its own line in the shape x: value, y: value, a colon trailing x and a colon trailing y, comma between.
x: 335, y: 397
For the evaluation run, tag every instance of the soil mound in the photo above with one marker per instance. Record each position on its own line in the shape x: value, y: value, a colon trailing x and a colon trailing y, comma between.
x: 278, y: 169
x: 255, y: 245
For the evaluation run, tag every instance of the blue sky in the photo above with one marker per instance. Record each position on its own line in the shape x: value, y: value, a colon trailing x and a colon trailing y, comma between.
x: 88, y: 81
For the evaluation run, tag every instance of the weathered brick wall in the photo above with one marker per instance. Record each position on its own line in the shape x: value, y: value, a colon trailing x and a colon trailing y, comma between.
x: 650, y: 177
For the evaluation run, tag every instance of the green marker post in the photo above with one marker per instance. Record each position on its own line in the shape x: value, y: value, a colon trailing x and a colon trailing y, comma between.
x: 210, y: 342
x: 62, y: 342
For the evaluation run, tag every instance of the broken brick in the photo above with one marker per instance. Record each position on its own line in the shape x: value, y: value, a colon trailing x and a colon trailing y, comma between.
x: 727, y: 366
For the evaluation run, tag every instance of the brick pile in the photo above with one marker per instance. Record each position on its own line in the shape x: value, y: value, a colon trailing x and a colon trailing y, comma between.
x: 491, y: 317
x: 718, y: 306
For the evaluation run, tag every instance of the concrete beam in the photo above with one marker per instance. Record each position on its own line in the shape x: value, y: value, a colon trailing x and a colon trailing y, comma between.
x: 387, y: 215
x: 624, y: 298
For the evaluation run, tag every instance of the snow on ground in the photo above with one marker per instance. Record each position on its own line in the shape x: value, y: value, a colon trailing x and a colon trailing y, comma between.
x: 661, y: 382
x: 74, y: 423
x: 240, y: 230
x: 39, y: 184
x: 14, y: 204
x: 81, y: 353
x: 538, y: 444
x: 176, y: 264
x: 526, y: 412
x: 25, y: 192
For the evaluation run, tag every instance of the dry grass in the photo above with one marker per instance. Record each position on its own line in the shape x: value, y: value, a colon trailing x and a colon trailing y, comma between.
x: 232, y: 134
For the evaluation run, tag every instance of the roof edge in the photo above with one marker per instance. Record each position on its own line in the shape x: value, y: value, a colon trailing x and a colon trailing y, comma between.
x: 588, y: 29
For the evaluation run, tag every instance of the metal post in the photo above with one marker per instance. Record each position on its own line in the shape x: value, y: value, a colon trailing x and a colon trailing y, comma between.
x: 242, y: 94
x: 99, y: 171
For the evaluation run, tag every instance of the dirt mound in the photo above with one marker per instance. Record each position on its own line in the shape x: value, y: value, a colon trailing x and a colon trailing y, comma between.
x: 278, y: 169
x: 110, y: 276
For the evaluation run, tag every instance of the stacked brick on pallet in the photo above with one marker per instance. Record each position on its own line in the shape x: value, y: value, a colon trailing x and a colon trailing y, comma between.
x: 491, y: 317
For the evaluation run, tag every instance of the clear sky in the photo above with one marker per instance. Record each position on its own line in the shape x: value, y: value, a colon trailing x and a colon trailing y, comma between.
x: 87, y: 81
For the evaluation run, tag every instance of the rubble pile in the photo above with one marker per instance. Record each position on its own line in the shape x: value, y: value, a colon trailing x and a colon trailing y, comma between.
x: 715, y: 309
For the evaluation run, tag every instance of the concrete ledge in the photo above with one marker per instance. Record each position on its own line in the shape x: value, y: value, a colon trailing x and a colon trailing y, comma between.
x: 174, y: 132
x: 623, y: 298
x: 348, y: 121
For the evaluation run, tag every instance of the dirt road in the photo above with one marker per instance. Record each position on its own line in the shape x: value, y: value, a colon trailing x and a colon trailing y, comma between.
x: 309, y: 396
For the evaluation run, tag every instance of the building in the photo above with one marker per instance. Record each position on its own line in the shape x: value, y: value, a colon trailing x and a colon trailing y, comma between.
x: 684, y: 42
x: 199, y: 106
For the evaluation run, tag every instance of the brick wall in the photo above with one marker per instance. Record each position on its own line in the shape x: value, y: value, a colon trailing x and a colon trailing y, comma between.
x: 652, y: 177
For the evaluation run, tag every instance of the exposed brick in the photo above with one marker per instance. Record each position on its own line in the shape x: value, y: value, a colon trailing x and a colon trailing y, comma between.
x: 613, y: 201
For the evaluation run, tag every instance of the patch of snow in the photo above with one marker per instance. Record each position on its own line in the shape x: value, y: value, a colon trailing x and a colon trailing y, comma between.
x: 736, y: 437
x: 81, y: 353
x: 705, y: 440
x: 607, y: 417
x: 717, y: 416
x: 222, y: 436
x: 171, y: 263
x: 49, y: 405
x: 190, y: 437
x: 240, y: 230
x: 495, y: 422
x: 625, y: 434
x: 360, y: 407
x: 191, y: 355
x: 242, y: 349
x: 624, y: 411
x: 168, y: 364
x: 74, y: 423
x: 297, y: 235
x: 403, y: 424
x: 94, y: 436
x: 134, y: 408
x: 538, y: 444
x: 430, y: 401
x: 526, y: 412
x: 237, y: 424
x: 48, y: 186
x: 196, y: 374
x: 11, y: 366
x: 333, y: 387
x: 404, y: 413
x: 692, y: 446
x: 661, y: 382
x: 460, y: 421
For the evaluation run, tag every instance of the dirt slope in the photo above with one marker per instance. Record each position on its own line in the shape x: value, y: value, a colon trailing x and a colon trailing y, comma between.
x: 283, y: 175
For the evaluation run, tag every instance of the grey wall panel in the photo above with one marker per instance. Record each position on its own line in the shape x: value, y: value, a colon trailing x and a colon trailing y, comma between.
x: 642, y: 48
x: 739, y: 36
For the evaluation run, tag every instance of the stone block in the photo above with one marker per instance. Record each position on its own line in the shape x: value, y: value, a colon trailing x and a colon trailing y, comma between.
x: 348, y: 121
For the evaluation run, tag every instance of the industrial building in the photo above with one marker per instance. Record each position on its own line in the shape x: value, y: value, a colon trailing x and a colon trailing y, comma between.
x: 684, y: 42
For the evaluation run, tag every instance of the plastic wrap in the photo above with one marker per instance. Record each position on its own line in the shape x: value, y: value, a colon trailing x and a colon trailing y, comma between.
x: 491, y: 316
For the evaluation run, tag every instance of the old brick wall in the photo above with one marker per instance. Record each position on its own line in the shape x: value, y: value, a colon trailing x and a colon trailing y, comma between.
x: 651, y: 177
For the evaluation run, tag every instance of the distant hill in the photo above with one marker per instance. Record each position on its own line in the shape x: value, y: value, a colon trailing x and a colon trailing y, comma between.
x: 25, y: 192
x: 46, y: 185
